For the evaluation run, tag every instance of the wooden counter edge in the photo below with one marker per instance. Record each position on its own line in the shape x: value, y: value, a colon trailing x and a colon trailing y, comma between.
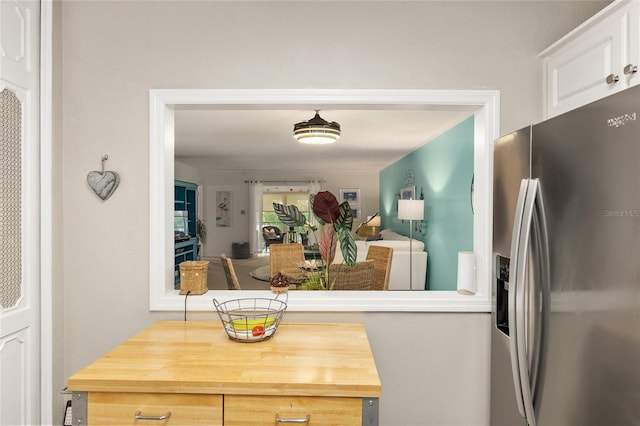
x: 373, y: 390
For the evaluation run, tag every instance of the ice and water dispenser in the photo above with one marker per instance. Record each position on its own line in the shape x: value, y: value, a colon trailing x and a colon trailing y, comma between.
x: 502, y: 294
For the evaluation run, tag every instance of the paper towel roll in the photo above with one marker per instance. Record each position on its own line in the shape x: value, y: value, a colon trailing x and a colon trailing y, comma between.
x: 466, y: 273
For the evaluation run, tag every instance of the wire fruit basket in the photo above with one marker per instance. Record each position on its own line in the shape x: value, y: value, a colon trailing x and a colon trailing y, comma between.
x: 252, y: 319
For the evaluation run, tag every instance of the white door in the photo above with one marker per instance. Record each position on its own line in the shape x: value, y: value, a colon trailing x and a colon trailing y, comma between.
x: 19, y: 213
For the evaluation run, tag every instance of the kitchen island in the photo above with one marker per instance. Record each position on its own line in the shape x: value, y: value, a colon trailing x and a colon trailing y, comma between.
x: 191, y: 373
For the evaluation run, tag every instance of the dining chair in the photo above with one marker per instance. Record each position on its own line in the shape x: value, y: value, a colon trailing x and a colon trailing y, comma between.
x: 286, y: 258
x: 356, y: 277
x: 381, y: 257
x: 229, y: 273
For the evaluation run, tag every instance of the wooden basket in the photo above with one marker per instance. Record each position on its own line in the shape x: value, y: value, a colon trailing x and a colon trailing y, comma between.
x: 193, y: 276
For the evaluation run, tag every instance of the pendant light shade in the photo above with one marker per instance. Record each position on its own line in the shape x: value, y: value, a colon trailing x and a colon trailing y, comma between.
x: 316, y: 131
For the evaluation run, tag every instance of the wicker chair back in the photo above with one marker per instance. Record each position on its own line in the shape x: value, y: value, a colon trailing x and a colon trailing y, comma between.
x: 286, y: 258
x: 356, y: 277
x: 230, y: 273
x: 381, y: 257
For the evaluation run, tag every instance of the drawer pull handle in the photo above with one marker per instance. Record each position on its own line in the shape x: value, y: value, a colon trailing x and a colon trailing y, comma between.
x: 630, y: 69
x: 612, y: 78
x: 139, y: 416
x: 285, y: 420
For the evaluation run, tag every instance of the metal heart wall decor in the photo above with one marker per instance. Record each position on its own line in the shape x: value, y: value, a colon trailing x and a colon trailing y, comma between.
x: 103, y: 183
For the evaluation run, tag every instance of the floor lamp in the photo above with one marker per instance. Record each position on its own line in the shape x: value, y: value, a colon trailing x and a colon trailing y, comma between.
x: 411, y: 210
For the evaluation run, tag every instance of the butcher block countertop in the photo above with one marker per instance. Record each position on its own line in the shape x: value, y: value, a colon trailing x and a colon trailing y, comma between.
x: 303, y: 359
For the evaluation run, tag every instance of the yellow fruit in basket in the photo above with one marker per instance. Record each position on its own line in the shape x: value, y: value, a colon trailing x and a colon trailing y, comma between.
x: 248, y: 324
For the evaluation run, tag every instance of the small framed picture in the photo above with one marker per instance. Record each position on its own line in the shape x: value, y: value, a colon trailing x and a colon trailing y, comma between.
x: 352, y: 195
x: 223, y: 209
x: 408, y: 193
x: 355, y: 211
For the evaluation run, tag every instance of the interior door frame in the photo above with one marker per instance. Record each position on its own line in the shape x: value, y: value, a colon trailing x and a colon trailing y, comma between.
x: 37, y: 267
x: 47, y: 319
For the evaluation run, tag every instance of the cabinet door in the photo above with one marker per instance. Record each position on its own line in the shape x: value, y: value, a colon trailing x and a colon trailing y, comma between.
x: 185, y: 199
x: 632, y: 69
x: 109, y: 408
x: 577, y: 73
x: 265, y: 410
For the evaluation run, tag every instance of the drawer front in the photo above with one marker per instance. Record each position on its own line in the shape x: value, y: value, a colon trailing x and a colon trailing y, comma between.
x: 262, y: 410
x: 107, y: 408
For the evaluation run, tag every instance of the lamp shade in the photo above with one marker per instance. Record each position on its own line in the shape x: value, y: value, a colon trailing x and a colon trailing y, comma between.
x: 411, y: 209
x: 316, y: 131
x: 375, y: 221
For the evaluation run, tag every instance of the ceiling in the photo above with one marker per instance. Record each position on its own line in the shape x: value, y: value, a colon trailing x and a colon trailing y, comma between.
x: 261, y: 138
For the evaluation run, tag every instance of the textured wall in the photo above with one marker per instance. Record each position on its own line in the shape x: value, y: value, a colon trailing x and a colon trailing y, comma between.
x: 212, y: 181
x: 434, y: 367
x: 442, y: 170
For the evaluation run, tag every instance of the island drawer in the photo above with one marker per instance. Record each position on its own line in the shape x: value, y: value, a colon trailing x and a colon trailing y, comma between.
x: 246, y: 410
x: 110, y: 408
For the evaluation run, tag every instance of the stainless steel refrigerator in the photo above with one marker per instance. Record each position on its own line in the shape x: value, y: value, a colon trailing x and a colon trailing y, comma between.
x: 566, y: 283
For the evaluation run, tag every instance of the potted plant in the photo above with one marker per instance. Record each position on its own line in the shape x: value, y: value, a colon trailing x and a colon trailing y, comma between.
x: 337, y: 219
x: 201, y: 234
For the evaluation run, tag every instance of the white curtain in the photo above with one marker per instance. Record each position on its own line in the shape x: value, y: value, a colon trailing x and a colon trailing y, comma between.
x: 314, y: 186
x: 255, y: 216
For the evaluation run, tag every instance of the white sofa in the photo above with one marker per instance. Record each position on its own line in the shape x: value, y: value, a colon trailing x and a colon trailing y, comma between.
x: 399, y: 276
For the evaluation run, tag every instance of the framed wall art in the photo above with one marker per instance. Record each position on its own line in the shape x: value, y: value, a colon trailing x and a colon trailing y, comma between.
x: 352, y: 195
x: 408, y: 193
x: 223, y: 209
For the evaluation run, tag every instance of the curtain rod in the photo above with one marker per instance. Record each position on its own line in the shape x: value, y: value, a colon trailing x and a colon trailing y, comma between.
x: 284, y: 181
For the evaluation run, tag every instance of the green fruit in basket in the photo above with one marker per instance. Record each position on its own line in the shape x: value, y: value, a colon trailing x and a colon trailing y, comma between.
x: 248, y: 324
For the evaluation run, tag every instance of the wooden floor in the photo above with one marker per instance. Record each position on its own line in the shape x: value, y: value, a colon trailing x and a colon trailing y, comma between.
x: 217, y: 281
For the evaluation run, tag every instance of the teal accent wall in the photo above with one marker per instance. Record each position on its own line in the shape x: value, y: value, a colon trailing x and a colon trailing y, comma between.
x: 443, y: 170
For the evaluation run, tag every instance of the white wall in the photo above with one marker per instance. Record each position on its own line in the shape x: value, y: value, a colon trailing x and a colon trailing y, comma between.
x: 187, y: 173
x: 434, y: 367
x: 220, y: 239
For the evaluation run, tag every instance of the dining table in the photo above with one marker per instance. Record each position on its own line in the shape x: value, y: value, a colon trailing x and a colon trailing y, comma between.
x: 263, y: 273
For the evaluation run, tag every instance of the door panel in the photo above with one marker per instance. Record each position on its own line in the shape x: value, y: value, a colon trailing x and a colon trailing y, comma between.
x: 577, y: 75
x: 587, y: 162
x: 511, y: 165
x: 19, y: 215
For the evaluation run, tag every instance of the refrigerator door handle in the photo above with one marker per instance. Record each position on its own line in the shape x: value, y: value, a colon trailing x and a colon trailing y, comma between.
x: 514, y: 266
x: 529, y: 323
x: 520, y: 301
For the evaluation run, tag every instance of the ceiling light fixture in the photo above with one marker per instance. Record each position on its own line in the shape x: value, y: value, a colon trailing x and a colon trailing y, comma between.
x: 316, y: 131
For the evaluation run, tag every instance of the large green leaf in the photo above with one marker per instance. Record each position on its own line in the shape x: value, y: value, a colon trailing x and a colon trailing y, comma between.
x: 289, y: 215
x: 346, y: 216
x: 347, y: 245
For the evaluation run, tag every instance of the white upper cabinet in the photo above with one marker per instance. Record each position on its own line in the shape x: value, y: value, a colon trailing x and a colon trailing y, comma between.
x: 597, y: 59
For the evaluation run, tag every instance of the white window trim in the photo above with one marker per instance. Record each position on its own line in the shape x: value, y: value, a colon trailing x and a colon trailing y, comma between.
x: 162, y: 296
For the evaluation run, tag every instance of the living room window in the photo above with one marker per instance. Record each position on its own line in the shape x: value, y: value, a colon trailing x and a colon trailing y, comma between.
x: 299, y: 199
